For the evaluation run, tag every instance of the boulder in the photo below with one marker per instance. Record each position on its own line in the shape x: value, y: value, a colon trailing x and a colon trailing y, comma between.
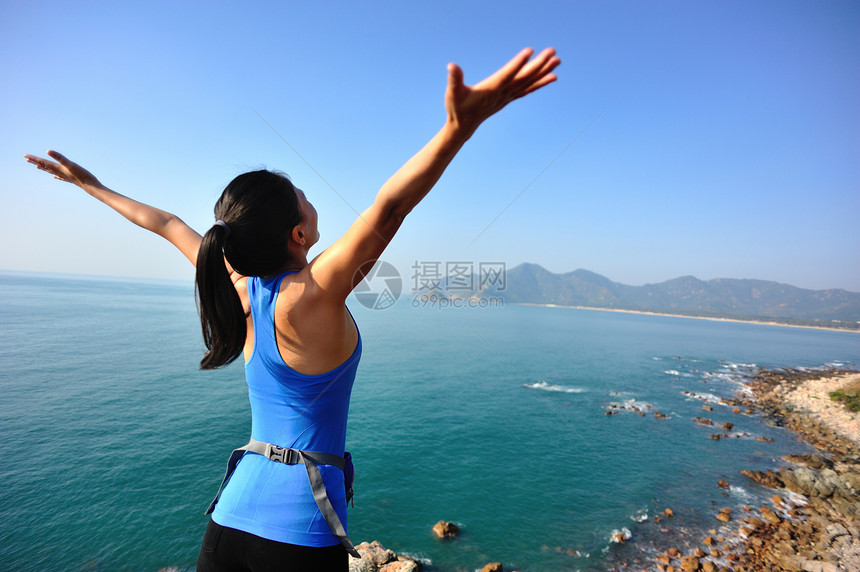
x: 769, y: 515
x: 493, y: 567
x: 810, y: 482
x: 400, y: 566
x: 768, y: 479
x: 445, y: 529
x: 689, y: 564
x: 373, y: 556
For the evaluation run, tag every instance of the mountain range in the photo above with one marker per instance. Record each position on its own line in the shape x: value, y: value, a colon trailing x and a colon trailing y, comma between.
x: 721, y: 297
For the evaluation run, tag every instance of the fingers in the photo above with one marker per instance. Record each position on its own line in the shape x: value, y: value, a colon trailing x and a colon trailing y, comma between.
x: 539, y: 67
x: 545, y: 80
x: 48, y: 166
x: 40, y: 163
x: 510, y: 70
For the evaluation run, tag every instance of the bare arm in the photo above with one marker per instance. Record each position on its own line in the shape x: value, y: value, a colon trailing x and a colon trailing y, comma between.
x: 340, y: 267
x: 162, y: 223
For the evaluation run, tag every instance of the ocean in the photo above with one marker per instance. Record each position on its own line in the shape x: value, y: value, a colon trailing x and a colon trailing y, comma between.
x: 113, y: 441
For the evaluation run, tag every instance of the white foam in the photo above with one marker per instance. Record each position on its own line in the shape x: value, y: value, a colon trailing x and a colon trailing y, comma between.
x: 672, y: 372
x: 706, y: 397
x: 613, y: 536
x: 795, y: 498
x: 548, y: 387
x: 740, y: 492
x: 630, y: 405
x: 640, y: 516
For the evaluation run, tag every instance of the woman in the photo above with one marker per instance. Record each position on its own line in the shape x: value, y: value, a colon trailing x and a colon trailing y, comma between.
x: 260, y: 297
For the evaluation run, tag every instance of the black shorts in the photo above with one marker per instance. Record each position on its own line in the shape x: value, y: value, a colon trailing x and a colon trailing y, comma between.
x: 230, y: 550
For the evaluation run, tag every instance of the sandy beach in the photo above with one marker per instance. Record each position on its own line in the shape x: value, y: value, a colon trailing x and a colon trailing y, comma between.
x: 812, y: 397
x: 710, y: 318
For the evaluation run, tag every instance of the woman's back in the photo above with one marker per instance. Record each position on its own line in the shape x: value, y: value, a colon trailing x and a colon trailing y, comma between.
x: 291, y: 410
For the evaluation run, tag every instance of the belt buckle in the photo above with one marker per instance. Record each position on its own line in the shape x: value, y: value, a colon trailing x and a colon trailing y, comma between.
x: 282, y: 455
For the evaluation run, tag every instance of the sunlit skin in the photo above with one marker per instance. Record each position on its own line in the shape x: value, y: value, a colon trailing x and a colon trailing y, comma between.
x: 315, y: 330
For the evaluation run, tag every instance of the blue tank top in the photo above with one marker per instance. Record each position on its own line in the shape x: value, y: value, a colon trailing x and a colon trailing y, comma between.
x: 289, y: 409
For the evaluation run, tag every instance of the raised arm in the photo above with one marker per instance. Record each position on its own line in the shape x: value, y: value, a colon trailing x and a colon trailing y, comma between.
x: 155, y: 220
x: 340, y: 267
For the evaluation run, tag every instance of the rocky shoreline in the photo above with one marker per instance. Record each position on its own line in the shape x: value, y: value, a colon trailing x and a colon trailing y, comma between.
x: 813, y: 523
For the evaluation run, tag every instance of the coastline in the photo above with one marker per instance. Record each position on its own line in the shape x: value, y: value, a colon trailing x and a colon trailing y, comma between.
x: 711, y: 318
x: 812, y: 522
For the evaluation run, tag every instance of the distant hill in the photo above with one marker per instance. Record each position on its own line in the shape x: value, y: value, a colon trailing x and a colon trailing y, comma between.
x: 723, y: 297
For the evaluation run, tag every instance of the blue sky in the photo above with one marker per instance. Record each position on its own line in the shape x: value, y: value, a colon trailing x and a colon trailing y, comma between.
x: 726, y: 141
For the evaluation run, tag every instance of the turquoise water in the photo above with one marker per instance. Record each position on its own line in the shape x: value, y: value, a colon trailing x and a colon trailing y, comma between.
x: 114, y: 442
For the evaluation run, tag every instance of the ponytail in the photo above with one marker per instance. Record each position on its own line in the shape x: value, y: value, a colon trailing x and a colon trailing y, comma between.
x: 255, y: 215
x: 221, y: 314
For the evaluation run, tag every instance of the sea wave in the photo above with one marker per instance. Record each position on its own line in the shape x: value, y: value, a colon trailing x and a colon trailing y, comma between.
x: 549, y: 387
x: 640, y: 516
x: 706, y: 397
x: 741, y: 493
x: 617, y: 535
x: 630, y: 405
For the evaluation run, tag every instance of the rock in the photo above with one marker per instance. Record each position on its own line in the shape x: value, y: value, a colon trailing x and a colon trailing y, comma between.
x: 445, y: 529
x: 728, y: 425
x: 768, y: 479
x: 400, y: 566
x: 668, y: 513
x: 810, y: 482
x: 689, y: 564
x: 703, y: 421
x: 723, y: 484
x: 659, y: 415
x: 373, y: 554
x: 736, y: 409
x: 707, y: 407
x: 809, y: 460
x: 724, y: 517
x: 493, y: 567
x: 708, y: 566
x: 673, y: 552
x: 698, y: 552
x: 769, y: 515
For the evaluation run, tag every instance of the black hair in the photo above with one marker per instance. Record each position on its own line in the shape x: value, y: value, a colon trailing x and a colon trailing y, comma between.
x: 260, y: 209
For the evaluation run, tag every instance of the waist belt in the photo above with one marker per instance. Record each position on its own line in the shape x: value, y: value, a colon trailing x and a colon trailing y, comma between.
x: 310, y: 459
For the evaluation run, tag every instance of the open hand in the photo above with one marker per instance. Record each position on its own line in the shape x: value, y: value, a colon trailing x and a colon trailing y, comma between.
x: 64, y: 169
x: 469, y: 106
